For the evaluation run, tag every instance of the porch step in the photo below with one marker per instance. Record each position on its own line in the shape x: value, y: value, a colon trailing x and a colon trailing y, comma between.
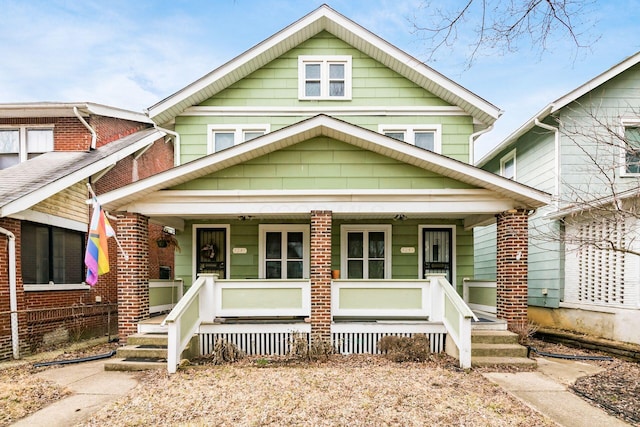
x: 131, y: 365
x: 142, y: 352
x: 503, y: 361
x: 498, y: 350
x: 490, y: 348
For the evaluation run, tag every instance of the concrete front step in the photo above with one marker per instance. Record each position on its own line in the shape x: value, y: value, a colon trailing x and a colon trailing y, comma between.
x: 501, y: 361
x: 493, y: 337
x: 142, y: 352
x: 498, y: 350
x: 122, y: 364
x: 157, y: 339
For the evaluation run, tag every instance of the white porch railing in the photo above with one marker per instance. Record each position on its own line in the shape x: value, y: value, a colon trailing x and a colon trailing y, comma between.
x: 480, y: 295
x: 185, y: 318
x: 262, y: 298
x: 164, y: 294
x: 451, y: 309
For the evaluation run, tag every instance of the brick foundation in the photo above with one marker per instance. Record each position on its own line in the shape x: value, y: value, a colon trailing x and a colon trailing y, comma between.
x: 511, y: 266
x: 321, y: 276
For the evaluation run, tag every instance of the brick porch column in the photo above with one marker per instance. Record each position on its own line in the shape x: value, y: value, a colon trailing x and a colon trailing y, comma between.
x: 321, y: 276
x: 511, y: 266
x: 133, y: 274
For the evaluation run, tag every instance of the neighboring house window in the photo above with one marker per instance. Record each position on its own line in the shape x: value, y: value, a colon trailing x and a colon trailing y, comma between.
x: 366, y: 251
x: 632, y: 150
x: 508, y: 166
x: 51, y: 254
x: 222, y: 137
x: 427, y: 137
x: 22, y: 143
x: 284, y: 251
x: 324, y: 77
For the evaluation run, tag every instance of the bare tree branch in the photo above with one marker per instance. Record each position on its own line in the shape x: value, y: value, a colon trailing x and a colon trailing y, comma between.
x: 499, y: 26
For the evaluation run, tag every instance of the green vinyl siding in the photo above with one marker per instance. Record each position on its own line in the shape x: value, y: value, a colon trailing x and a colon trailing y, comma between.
x: 322, y: 163
x: 276, y: 85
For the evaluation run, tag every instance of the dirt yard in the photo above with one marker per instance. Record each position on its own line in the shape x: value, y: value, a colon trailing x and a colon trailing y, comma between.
x: 344, y: 390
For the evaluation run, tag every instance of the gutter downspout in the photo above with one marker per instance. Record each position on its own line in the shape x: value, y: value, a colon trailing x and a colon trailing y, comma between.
x: 556, y: 132
x: 472, y: 147
x: 13, y: 294
x: 94, y: 136
x: 176, y: 146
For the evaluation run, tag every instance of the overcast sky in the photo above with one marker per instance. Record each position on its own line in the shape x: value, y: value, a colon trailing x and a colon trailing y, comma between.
x: 134, y: 53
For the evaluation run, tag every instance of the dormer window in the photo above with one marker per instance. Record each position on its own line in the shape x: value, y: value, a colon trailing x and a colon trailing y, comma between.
x: 19, y: 144
x: 324, y: 77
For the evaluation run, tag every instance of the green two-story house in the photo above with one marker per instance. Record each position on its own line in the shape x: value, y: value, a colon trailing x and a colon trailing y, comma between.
x: 584, y: 263
x: 323, y: 185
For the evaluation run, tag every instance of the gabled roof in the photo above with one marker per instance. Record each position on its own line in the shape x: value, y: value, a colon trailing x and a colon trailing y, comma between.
x: 30, y: 182
x: 323, y: 125
x: 323, y: 19
x: 562, y: 102
x: 66, y: 109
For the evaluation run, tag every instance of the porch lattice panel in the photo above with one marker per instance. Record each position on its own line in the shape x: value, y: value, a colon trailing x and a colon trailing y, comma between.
x: 253, y: 343
x: 367, y: 342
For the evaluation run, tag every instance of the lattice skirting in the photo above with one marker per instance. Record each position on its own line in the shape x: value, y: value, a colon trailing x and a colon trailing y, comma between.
x: 346, y: 338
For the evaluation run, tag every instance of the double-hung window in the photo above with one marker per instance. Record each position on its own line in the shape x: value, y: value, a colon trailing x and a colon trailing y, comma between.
x: 366, y: 251
x: 508, y: 165
x: 427, y: 137
x: 221, y: 137
x: 284, y: 251
x: 324, y: 77
x: 18, y: 144
x: 632, y: 150
x: 51, y: 255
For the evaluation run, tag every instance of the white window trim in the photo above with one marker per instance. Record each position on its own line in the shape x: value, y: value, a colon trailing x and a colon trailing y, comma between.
x: 510, y: 155
x: 625, y: 123
x: 410, y: 132
x: 451, y: 227
x: 22, y: 138
x: 195, y: 250
x: 325, y: 60
x: 238, y: 132
x: 284, y: 228
x: 386, y: 228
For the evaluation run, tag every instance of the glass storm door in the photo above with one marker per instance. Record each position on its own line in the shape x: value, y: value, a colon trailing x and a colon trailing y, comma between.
x: 437, y: 251
x: 211, y: 244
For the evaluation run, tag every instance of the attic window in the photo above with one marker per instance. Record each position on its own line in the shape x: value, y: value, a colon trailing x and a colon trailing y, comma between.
x: 324, y: 77
x: 427, y: 137
x: 221, y: 137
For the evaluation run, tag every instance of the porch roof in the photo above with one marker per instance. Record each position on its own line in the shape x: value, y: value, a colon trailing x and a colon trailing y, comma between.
x: 499, y: 193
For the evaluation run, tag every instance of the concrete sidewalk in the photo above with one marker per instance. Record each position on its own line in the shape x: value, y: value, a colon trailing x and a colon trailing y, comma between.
x: 546, y: 391
x: 92, y: 388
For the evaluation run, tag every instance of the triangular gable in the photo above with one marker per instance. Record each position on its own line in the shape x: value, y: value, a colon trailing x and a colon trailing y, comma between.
x: 560, y: 103
x: 324, y: 18
x: 29, y: 183
x: 323, y: 125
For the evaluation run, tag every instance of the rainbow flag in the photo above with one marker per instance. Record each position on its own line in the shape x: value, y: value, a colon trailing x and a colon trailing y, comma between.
x: 96, y: 257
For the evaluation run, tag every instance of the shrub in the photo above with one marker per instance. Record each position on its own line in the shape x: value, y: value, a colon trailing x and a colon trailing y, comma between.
x: 405, y: 349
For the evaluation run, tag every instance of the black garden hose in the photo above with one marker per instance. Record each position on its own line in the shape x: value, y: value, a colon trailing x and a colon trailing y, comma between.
x: 569, y: 356
x: 82, y: 359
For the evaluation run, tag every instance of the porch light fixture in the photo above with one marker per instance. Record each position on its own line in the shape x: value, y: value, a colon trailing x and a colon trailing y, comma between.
x: 400, y: 217
x: 244, y: 218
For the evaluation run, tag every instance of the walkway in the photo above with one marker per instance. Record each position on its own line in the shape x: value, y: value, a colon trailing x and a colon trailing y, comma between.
x: 92, y: 389
x: 546, y: 390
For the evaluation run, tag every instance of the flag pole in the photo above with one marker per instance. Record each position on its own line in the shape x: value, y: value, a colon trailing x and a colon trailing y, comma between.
x: 95, y: 200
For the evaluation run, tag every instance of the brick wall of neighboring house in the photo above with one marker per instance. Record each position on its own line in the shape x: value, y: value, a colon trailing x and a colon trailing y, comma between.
x: 47, y: 317
x: 511, y: 267
x: 6, y: 351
